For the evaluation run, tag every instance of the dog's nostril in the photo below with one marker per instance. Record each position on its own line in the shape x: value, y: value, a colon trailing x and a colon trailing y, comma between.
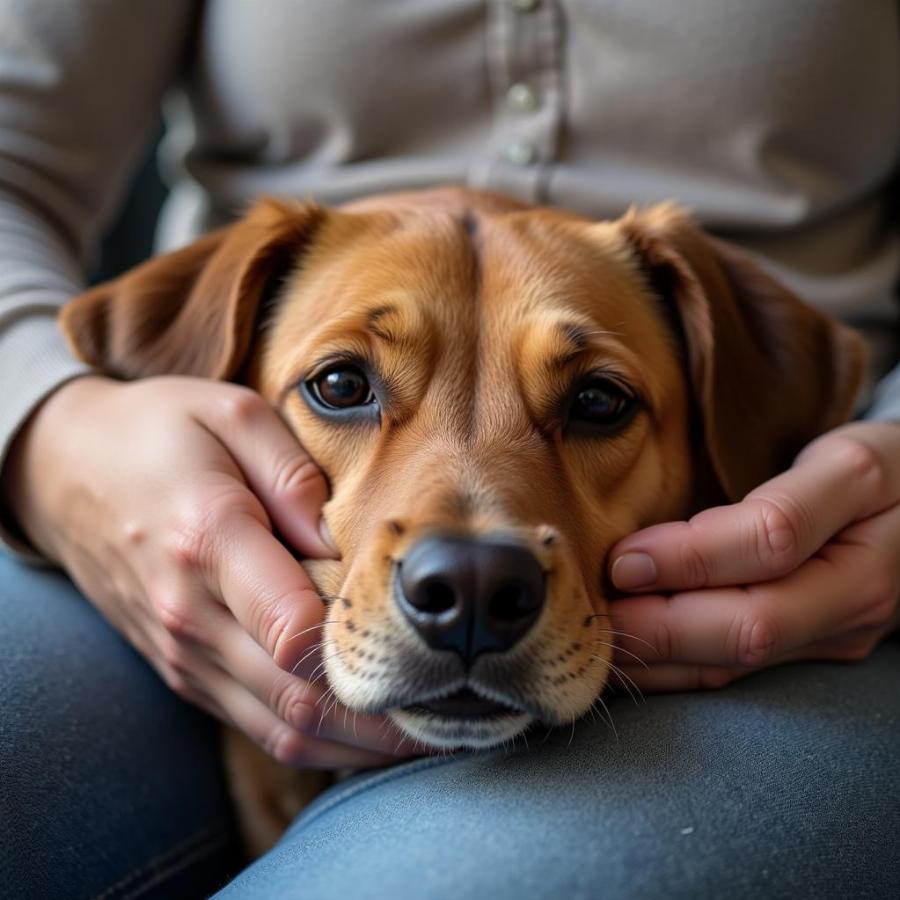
x: 434, y: 596
x: 510, y: 602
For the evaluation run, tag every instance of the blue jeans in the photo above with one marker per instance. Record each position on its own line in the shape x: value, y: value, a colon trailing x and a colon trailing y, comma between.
x: 786, y: 784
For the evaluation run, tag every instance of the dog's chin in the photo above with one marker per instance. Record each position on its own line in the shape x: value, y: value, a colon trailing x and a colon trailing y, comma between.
x: 446, y: 725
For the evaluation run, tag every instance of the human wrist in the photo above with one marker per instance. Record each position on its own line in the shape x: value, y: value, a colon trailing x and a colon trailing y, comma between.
x: 29, y: 462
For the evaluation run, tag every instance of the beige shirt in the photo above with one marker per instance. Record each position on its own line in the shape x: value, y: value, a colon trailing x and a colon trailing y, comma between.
x: 777, y: 122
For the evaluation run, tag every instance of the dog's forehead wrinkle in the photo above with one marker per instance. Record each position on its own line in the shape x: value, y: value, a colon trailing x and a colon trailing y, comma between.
x: 387, y: 322
x: 378, y: 311
x: 575, y: 333
x: 471, y: 232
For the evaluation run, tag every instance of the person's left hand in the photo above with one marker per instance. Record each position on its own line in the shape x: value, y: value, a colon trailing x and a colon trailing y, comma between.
x: 806, y: 566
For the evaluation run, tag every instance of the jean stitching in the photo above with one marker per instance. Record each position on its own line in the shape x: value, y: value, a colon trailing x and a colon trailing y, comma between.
x: 178, y: 865
x: 211, y: 834
x: 385, y: 778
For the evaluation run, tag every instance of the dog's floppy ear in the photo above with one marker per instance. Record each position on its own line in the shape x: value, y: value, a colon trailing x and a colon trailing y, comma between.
x: 768, y: 372
x: 192, y: 311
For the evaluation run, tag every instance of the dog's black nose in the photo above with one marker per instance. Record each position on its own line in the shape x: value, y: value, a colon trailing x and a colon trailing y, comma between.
x: 470, y: 596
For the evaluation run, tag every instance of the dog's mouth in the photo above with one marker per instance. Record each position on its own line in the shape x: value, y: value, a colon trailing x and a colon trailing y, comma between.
x: 463, y: 704
x: 463, y: 719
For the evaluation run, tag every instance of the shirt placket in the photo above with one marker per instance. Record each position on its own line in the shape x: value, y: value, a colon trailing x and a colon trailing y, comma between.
x: 524, y: 59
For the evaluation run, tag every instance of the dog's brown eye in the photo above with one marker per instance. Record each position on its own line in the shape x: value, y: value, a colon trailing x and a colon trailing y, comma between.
x: 342, y: 387
x: 600, y: 402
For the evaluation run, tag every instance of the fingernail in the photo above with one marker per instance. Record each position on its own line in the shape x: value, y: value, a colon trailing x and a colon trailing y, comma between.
x: 633, y: 570
x: 325, y: 534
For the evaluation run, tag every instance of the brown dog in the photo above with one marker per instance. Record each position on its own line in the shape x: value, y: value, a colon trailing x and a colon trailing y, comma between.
x: 497, y: 394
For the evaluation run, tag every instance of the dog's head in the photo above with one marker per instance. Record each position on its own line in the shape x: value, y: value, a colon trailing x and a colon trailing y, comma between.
x: 497, y: 394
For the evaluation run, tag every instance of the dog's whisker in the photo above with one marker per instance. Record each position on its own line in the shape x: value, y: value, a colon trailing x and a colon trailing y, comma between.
x: 316, y: 678
x: 319, y: 645
x: 318, y: 625
x: 623, y: 650
x: 608, y: 716
x: 603, y: 713
x: 320, y: 668
x: 325, y: 696
x: 334, y: 703
x: 624, y: 677
x: 326, y: 711
x: 633, y: 637
x: 627, y: 680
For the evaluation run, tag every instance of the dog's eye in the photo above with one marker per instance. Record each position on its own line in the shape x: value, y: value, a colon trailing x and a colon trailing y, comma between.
x: 600, y: 402
x: 341, y: 387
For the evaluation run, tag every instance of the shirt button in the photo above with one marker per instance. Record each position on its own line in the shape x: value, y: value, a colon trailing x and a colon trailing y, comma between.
x: 525, y: 5
x: 520, y: 154
x: 522, y: 97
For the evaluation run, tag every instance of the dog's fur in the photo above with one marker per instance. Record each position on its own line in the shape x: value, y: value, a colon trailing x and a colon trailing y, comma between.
x: 476, y: 315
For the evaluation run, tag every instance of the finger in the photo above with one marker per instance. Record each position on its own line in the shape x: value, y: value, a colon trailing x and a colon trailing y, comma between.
x: 192, y: 664
x: 286, y: 744
x: 194, y: 625
x: 321, y: 754
x: 774, y: 529
x: 278, y: 470
x: 852, y: 646
x: 203, y: 628
x: 671, y: 677
x: 753, y: 625
x: 263, y: 586
x: 305, y: 706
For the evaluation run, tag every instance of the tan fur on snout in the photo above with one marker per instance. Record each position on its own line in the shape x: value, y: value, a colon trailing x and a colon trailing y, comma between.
x: 477, y: 317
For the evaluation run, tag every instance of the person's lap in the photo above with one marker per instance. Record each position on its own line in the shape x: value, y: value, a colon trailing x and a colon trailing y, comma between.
x: 109, y: 785
x: 785, y: 783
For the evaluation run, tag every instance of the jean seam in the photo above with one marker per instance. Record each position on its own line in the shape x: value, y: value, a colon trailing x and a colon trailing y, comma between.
x: 205, y: 849
x: 199, y: 843
x: 377, y: 781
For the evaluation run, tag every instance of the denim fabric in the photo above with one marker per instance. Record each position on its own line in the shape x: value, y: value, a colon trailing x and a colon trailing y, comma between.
x: 109, y: 786
x: 784, y: 785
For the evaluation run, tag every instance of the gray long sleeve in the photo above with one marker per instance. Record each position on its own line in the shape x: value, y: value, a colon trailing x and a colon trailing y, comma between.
x: 778, y: 124
x: 80, y: 83
x: 886, y: 401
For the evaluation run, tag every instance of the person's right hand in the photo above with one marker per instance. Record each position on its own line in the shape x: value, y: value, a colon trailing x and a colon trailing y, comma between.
x: 158, y: 498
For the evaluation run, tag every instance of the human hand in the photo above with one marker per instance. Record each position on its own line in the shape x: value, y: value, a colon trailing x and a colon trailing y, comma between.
x: 158, y: 497
x: 806, y: 566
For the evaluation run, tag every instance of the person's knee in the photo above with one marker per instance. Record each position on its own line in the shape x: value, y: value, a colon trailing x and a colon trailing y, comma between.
x: 103, y: 768
x: 742, y: 788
